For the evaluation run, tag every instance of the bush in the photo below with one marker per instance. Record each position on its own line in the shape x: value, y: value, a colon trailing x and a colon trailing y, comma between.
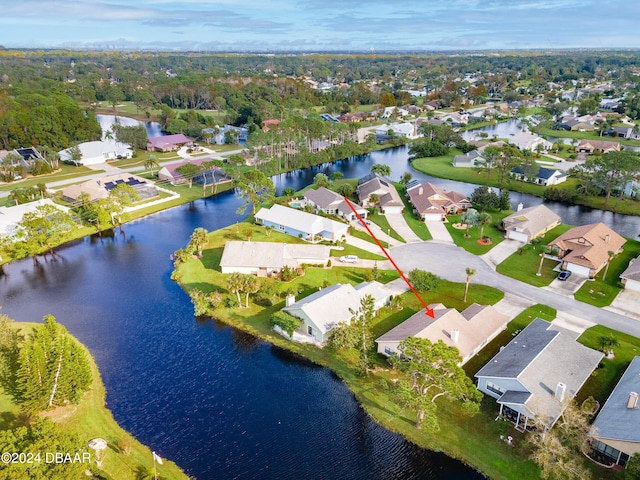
x: 287, y: 273
x: 560, y: 195
x: 285, y: 321
x: 423, y: 281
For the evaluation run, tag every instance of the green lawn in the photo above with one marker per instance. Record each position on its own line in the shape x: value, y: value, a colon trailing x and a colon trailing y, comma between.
x: 523, y: 264
x: 66, y: 172
x: 473, y: 440
x: 601, y: 292
x: 90, y: 419
x: 417, y: 225
x: 587, y: 135
x: 383, y: 223
x: 362, y: 235
x: 471, y: 245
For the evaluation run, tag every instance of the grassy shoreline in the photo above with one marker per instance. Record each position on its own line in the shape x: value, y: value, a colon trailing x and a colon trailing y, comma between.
x: 90, y: 419
x: 474, y: 441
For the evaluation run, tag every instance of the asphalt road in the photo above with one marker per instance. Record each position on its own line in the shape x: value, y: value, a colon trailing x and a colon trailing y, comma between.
x: 450, y: 262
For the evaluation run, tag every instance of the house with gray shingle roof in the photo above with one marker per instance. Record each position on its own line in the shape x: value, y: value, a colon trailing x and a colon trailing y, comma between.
x: 265, y: 258
x: 615, y: 433
x: 322, y: 311
x: 537, y: 373
x: 468, y: 160
x: 468, y: 331
x: 631, y: 276
x: 389, y: 200
x: 545, y: 176
x: 332, y: 203
x: 529, y: 223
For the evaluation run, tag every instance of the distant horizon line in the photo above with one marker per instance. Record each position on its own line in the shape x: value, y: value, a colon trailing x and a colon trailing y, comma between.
x: 275, y: 52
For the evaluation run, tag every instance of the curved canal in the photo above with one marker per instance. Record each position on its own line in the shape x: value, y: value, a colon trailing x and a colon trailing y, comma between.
x: 221, y: 403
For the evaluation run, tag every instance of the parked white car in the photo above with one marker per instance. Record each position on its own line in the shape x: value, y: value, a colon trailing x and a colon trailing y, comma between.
x: 349, y: 259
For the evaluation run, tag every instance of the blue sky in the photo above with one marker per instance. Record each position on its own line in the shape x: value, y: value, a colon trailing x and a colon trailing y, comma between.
x: 321, y: 25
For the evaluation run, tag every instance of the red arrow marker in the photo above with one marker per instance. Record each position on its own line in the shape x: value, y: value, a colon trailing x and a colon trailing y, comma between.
x: 429, y: 311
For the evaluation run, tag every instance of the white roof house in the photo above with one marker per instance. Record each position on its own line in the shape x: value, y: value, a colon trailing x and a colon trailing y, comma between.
x: 529, y: 223
x: 99, y: 152
x: 405, y: 130
x: 301, y: 224
x: 11, y: 216
x: 264, y: 258
x: 324, y: 310
x: 468, y: 331
x: 528, y: 141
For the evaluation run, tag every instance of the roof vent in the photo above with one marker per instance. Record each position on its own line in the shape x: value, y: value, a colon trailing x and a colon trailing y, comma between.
x: 632, y: 402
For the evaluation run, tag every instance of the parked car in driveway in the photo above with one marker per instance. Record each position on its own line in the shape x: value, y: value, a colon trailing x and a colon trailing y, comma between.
x: 564, y: 274
x: 349, y: 259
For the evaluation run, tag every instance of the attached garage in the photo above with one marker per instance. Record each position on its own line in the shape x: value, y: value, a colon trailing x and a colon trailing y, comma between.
x: 433, y: 217
x: 577, y: 269
x: 392, y: 209
x: 518, y: 236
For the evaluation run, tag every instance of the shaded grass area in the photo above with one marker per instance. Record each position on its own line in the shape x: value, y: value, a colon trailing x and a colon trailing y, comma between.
x: 66, y: 172
x: 90, y: 419
x: 601, y: 291
x: 523, y: 264
x: 493, y: 231
x: 417, y: 225
x: 474, y: 440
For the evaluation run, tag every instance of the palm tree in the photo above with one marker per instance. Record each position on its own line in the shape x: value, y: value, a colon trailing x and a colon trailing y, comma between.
x: 611, y: 254
x: 151, y: 163
x: 199, y: 239
x: 545, y: 250
x: 607, y: 343
x: 250, y: 285
x: 470, y: 273
x: 235, y: 284
x: 484, y: 219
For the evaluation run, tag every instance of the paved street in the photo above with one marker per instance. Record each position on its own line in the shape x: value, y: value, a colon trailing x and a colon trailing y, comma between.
x: 449, y: 261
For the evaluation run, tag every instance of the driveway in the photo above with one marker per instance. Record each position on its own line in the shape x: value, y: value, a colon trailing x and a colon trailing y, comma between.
x: 377, y: 231
x: 567, y: 287
x: 449, y: 261
x: 439, y: 232
x: 500, y: 252
x: 364, y: 245
x: 400, y: 225
x: 627, y: 303
x: 364, y: 263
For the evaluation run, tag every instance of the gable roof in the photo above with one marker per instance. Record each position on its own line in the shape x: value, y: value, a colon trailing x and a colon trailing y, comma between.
x: 324, y: 198
x: 543, y: 173
x: 335, y: 304
x: 474, y: 325
x: 588, y: 245
x: 615, y: 421
x: 633, y: 271
x: 299, y: 220
x: 171, y: 169
x: 531, y: 220
x: 540, y: 357
x: 270, y: 254
x: 599, y: 145
x: 100, y: 187
x: 427, y: 197
x: 168, y: 141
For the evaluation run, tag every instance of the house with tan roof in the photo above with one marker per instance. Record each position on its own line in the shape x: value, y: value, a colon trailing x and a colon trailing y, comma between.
x: 590, y: 146
x: 265, y: 258
x: 388, y: 199
x: 468, y: 331
x: 332, y: 203
x: 99, y: 188
x: 322, y: 311
x: 631, y: 276
x: 529, y: 223
x: 431, y: 202
x: 585, y: 250
x: 537, y: 373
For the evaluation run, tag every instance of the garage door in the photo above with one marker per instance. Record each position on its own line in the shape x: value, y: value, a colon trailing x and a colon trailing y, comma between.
x: 519, y: 236
x: 393, y: 209
x: 578, y: 269
x: 432, y: 217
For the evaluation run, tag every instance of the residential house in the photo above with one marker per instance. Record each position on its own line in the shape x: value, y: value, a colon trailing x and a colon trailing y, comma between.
x: 454, y: 119
x: 403, y: 130
x: 610, y: 103
x: 615, y: 433
x: 433, y: 203
x: 329, y: 202
x: 468, y: 331
x: 574, y: 124
x: 97, y: 152
x: 631, y: 276
x: 169, y: 172
x: 621, y: 131
x: 389, y: 112
x: 266, y: 124
x: 99, y: 188
x: 545, y: 176
x: 537, y: 373
x: 265, y: 258
x: 168, y: 143
x: 528, y: 141
x: 388, y: 199
x: 301, y: 224
x: 529, y: 223
x: 468, y: 160
x: 322, y: 311
x: 585, y: 250
x: 590, y: 146
x: 28, y: 157
x: 11, y: 216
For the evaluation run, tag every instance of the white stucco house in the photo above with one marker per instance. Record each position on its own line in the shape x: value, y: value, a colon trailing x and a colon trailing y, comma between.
x: 265, y: 258
x: 99, y: 151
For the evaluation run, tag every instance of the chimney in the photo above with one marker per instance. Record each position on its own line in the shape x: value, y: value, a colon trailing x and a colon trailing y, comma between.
x: 290, y: 300
x: 420, y: 191
x: 455, y: 335
x: 560, y: 389
x: 633, y: 400
x: 520, y: 207
x: 606, y: 238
